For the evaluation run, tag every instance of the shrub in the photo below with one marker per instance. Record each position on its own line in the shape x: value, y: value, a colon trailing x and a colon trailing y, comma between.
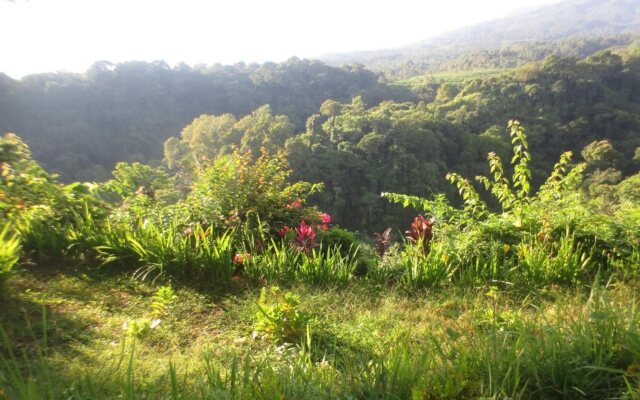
x: 40, y: 209
x: 234, y: 189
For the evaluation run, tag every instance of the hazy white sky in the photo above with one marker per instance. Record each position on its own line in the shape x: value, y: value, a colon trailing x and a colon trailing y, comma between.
x: 69, y: 35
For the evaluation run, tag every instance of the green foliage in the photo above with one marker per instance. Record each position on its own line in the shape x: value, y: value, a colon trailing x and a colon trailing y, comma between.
x: 430, y: 270
x: 9, y: 255
x: 192, y: 253
x: 278, y: 262
x: 135, y: 106
x: 279, y: 316
x: 235, y: 189
x: 473, y: 206
x: 40, y: 209
x: 137, y: 179
x: 161, y: 300
x: 512, y: 195
x: 562, y: 261
x: 26, y: 188
x: 357, y: 148
x: 338, y: 237
x: 558, y: 235
x: 629, y: 189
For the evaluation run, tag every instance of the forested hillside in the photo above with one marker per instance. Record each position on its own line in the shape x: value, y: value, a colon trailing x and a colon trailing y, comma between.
x: 358, y: 146
x: 82, y: 124
x: 575, y: 28
x: 360, y: 151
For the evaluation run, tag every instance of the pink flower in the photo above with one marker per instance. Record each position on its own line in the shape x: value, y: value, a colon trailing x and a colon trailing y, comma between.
x: 323, y: 227
x: 283, y: 232
x: 326, y: 218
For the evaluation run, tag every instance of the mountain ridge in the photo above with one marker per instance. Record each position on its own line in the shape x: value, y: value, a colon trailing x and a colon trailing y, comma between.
x: 557, y: 22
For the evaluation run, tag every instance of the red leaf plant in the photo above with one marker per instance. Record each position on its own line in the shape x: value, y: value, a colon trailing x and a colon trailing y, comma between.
x: 383, y: 241
x: 304, y: 240
x: 325, y: 220
x: 283, y: 232
x: 421, y: 231
x: 294, y: 204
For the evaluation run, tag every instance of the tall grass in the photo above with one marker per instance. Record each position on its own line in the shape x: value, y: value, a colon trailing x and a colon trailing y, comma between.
x: 592, y: 354
x: 9, y: 255
x: 564, y: 261
x: 280, y: 263
x: 427, y: 270
x: 158, y: 250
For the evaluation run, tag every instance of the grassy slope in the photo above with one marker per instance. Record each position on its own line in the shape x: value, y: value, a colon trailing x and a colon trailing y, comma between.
x: 452, y: 76
x: 85, y: 335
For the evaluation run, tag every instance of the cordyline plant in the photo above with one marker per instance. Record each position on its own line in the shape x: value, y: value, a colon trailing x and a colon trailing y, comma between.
x: 383, y: 241
x: 421, y: 231
x: 304, y: 239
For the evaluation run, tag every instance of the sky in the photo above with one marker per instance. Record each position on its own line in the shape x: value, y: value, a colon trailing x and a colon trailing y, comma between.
x: 70, y: 35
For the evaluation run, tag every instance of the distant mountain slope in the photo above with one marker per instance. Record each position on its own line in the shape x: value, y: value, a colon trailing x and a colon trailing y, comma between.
x: 554, y: 22
x: 568, y: 28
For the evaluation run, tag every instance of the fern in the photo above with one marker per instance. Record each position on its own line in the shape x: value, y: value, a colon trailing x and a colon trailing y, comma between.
x: 161, y: 299
x: 160, y: 302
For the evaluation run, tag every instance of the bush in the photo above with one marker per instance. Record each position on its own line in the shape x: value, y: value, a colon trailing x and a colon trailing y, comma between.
x: 234, y: 190
x: 40, y: 209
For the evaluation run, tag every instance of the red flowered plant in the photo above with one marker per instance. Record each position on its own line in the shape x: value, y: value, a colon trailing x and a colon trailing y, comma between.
x: 294, y: 204
x: 325, y: 218
x: 304, y: 240
x: 240, y: 258
x: 421, y: 231
x: 283, y: 232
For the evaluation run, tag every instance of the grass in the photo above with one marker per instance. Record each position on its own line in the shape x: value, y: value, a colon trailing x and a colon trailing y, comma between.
x: 9, y: 255
x: 452, y: 76
x: 363, y: 341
